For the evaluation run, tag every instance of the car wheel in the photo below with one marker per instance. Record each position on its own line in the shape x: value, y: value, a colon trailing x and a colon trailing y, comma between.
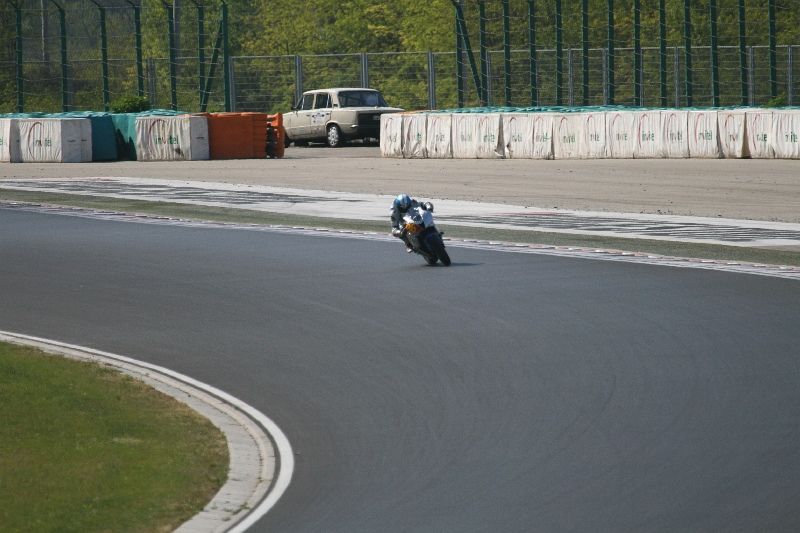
x: 286, y: 141
x: 334, y: 136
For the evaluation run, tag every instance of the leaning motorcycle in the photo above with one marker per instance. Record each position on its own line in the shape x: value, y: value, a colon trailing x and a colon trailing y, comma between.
x: 424, y: 237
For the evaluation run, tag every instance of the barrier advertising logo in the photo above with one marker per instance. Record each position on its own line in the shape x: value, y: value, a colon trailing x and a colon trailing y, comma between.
x: 171, y: 139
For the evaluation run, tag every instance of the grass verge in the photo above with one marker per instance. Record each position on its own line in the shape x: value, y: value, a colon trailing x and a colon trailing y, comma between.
x: 243, y: 216
x: 86, y: 448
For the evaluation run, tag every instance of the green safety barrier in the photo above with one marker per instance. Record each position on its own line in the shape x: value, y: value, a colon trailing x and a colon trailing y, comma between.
x: 125, y: 130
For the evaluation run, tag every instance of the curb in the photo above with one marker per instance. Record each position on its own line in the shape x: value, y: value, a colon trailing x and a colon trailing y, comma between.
x: 261, y: 458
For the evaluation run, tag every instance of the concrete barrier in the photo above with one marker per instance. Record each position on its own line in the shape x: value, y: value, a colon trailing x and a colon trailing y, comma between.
x: 177, y: 138
x: 55, y: 140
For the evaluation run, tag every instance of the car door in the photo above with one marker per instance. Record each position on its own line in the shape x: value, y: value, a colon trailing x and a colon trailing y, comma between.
x: 321, y: 115
x: 299, y: 126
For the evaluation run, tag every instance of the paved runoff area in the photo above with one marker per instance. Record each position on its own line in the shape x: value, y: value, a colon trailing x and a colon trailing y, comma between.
x: 375, y: 207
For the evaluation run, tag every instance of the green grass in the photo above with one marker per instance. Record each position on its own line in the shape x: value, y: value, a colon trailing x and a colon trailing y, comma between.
x: 244, y: 216
x: 85, y: 448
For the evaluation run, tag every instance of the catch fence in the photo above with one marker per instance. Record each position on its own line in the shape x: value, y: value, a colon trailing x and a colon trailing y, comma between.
x: 86, y: 54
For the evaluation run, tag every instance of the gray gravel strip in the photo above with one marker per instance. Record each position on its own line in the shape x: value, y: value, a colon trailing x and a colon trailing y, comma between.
x: 741, y: 267
x: 331, y: 204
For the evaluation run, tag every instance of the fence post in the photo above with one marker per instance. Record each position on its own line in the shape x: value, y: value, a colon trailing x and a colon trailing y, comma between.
x: 585, y: 53
x: 151, y: 81
x: 773, y: 53
x: 532, y: 53
x: 485, y: 74
x: 459, y: 61
x: 687, y: 44
x: 201, y: 48
x: 431, y: 81
x: 467, y: 47
x: 712, y: 11
x: 559, y: 54
x: 637, y: 53
x: 18, y: 59
x: 662, y: 51
x: 489, y: 94
x: 364, y: 70
x: 507, y: 50
x: 173, y: 83
x: 677, y: 75
x: 137, y: 33
x: 62, y: 20
x: 226, y: 58
x: 232, y: 82
x: 210, y: 76
x: 605, y: 75
x: 743, y: 54
x: 104, y: 54
x: 570, y: 79
x: 610, y: 60
x: 789, y: 77
x: 298, y: 79
x: 751, y: 75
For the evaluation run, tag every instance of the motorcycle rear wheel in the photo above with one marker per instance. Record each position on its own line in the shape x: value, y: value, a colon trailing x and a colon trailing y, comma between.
x: 438, y: 249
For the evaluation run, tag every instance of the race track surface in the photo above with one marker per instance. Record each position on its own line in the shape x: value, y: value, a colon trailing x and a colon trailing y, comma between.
x: 510, y: 392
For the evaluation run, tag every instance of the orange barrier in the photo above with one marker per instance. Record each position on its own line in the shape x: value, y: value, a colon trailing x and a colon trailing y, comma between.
x: 276, y: 136
x: 236, y: 135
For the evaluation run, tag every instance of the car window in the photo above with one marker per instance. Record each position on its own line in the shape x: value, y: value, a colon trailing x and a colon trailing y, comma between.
x: 323, y: 101
x: 361, y: 99
x: 308, y: 102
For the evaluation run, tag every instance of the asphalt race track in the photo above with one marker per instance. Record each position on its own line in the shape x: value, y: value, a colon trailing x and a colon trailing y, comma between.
x: 510, y: 392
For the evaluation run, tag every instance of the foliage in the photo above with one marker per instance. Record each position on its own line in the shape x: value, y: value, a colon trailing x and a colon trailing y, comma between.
x: 130, y: 104
x: 778, y: 101
x: 290, y: 28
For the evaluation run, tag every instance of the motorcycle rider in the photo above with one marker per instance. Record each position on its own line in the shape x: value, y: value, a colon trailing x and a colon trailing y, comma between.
x: 400, y: 206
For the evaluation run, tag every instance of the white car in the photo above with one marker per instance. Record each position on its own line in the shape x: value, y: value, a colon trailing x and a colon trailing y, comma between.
x: 336, y: 116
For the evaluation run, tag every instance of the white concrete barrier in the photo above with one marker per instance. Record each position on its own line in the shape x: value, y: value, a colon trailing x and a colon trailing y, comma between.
x: 786, y: 134
x: 735, y: 133
x: 391, y: 135
x: 172, y: 138
x: 567, y: 136
x: 9, y: 141
x: 594, y: 139
x: 543, y: 136
x: 731, y: 125
x: 622, y: 129
x: 55, y: 140
x: 439, y: 136
x: 675, y: 134
x: 649, y: 136
x: 477, y: 136
x: 518, y: 135
x: 414, y: 135
x: 704, y: 135
x: 758, y: 132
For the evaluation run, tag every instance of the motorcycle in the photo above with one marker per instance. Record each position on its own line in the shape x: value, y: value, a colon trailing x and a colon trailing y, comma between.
x: 424, y: 237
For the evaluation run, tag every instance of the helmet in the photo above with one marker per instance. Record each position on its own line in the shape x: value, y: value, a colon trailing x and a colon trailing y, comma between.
x: 402, y: 202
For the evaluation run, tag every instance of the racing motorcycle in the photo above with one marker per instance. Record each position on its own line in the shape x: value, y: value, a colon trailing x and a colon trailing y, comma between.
x: 425, y: 238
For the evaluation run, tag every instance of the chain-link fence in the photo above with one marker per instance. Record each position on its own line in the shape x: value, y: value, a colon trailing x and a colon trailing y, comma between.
x: 83, y: 54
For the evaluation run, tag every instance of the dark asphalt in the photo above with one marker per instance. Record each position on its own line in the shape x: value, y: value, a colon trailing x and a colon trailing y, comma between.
x: 510, y: 392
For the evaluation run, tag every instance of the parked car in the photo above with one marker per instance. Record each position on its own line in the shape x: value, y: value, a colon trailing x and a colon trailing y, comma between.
x: 336, y: 116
